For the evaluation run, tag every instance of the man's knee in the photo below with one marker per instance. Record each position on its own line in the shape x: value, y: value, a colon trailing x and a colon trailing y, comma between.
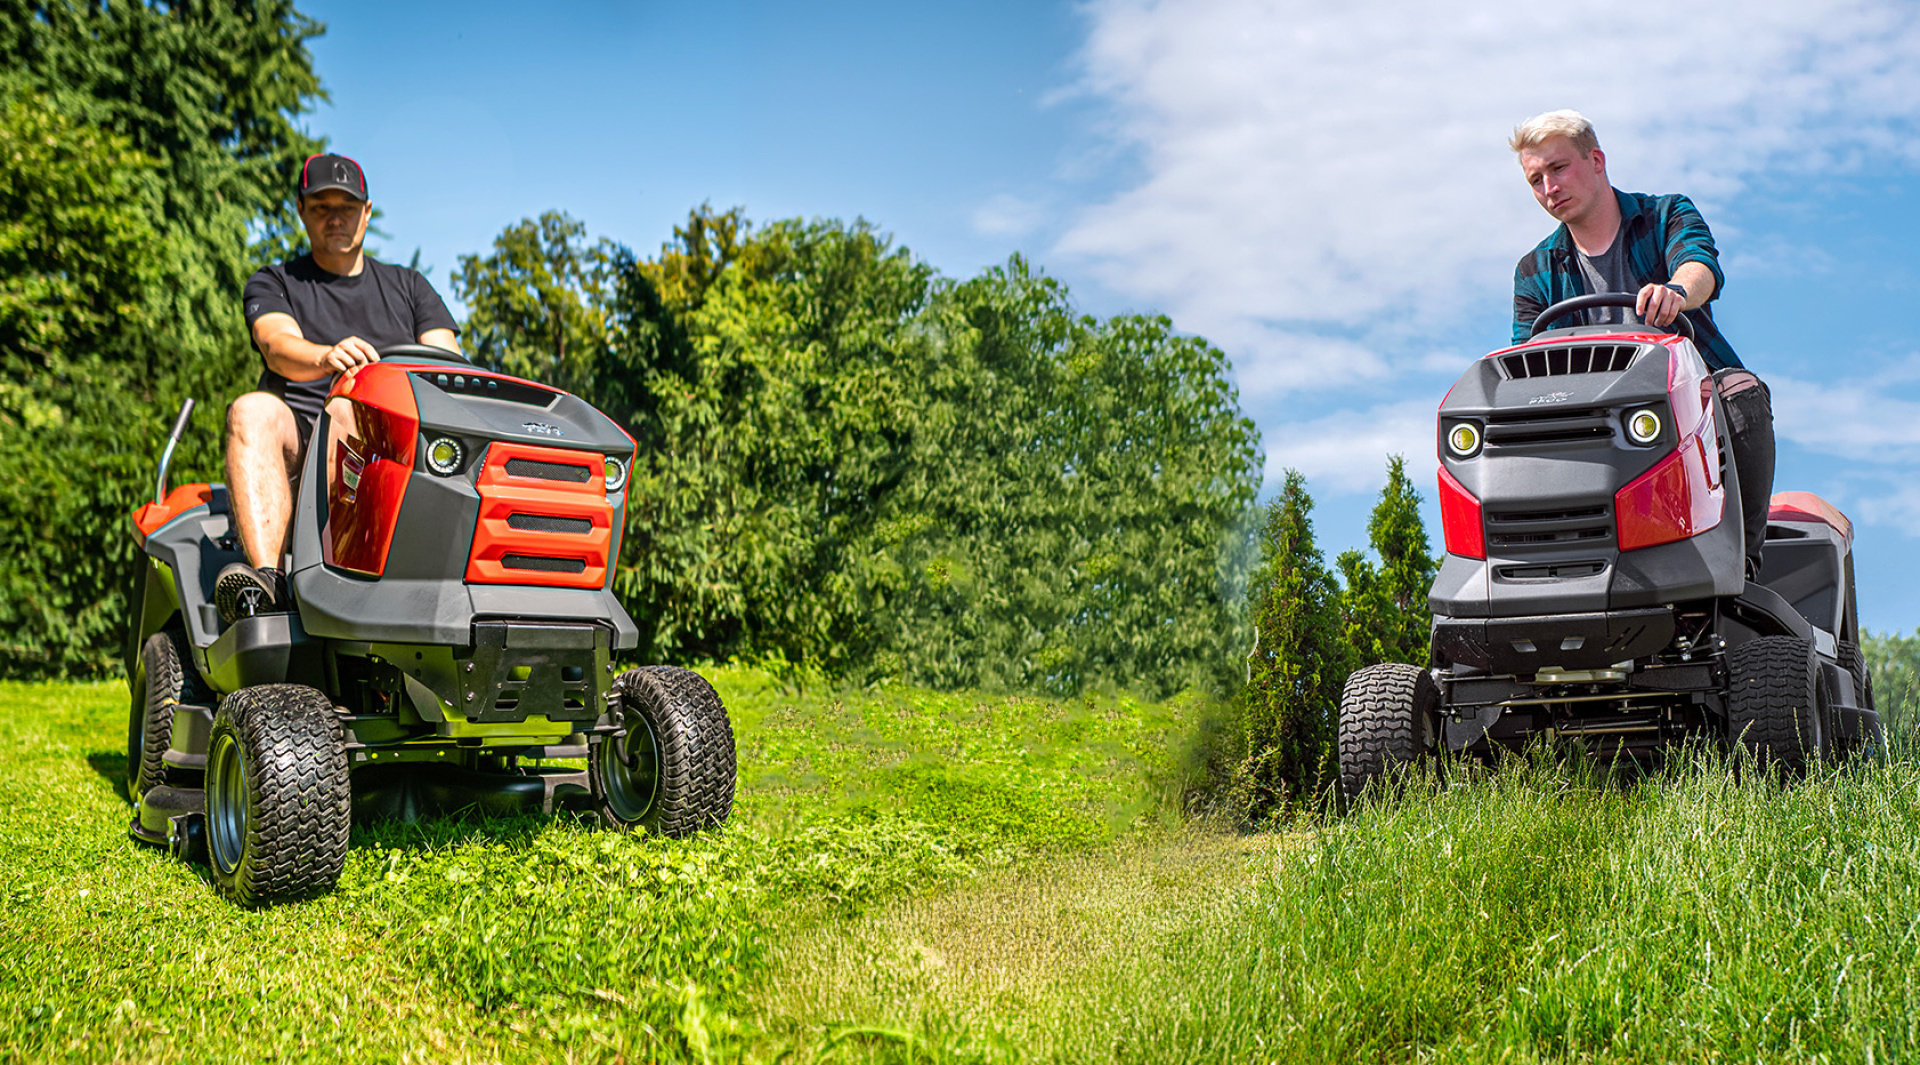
x: 262, y: 420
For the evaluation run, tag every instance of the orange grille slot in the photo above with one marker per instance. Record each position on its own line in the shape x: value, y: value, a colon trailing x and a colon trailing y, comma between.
x: 539, y: 528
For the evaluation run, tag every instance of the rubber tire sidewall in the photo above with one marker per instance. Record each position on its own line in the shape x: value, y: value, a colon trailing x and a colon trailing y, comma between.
x: 696, y: 766
x: 1776, y: 704
x: 165, y: 679
x: 1388, y: 719
x: 298, y: 796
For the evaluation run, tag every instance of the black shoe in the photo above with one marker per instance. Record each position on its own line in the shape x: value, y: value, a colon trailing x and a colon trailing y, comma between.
x: 240, y: 591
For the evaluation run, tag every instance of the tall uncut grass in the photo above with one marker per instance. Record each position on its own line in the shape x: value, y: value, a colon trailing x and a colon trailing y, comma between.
x: 1544, y: 914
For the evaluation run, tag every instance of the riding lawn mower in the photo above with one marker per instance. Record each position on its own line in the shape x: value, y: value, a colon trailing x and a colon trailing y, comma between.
x: 452, y: 627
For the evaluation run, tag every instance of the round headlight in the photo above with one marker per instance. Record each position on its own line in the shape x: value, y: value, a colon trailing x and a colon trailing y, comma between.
x: 616, y: 474
x: 1643, y: 427
x: 1463, y: 439
x: 444, y: 455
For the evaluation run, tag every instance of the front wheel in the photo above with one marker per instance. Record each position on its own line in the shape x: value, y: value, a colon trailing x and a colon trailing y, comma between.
x: 279, y: 803
x: 1388, y: 719
x: 673, y: 770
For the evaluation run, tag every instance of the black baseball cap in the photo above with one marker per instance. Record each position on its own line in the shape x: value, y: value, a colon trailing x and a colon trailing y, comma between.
x: 332, y: 172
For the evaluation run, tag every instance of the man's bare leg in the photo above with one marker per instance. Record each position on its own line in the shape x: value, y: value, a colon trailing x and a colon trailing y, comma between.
x: 263, y: 453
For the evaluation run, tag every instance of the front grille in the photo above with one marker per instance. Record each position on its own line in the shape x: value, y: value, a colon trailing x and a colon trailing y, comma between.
x: 1556, y: 571
x: 548, y: 523
x: 1559, y: 427
x: 1554, y: 362
x: 1543, y: 528
x: 540, y: 564
x: 549, y: 471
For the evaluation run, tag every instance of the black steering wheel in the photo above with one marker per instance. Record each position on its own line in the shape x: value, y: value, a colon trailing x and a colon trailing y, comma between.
x: 1603, y: 299
x: 409, y: 352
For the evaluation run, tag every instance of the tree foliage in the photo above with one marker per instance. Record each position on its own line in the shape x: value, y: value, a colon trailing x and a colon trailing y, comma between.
x: 148, y: 149
x: 849, y: 461
x: 1312, y: 629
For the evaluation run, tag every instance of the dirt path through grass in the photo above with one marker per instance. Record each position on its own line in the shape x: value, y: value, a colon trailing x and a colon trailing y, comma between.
x: 999, y: 959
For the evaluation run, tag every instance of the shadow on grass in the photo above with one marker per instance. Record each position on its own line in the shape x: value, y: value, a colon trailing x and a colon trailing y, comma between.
x: 112, y: 767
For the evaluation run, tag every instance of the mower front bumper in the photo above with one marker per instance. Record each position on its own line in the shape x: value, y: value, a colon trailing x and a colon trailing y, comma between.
x: 1555, y: 641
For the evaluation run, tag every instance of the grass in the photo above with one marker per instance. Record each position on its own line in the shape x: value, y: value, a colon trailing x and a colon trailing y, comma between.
x: 534, y: 940
x: 915, y: 877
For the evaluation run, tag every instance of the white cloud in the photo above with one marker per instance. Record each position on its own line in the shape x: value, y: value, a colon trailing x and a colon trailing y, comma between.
x: 1346, y: 451
x: 1863, y: 420
x: 1006, y: 215
x: 1315, y: 171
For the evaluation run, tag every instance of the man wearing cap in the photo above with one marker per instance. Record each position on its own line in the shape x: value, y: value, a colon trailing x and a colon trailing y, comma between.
x: 311, y: 318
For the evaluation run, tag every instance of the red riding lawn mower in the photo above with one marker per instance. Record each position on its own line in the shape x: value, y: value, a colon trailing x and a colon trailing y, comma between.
x: 452, y: 627
x: 1594, y: 586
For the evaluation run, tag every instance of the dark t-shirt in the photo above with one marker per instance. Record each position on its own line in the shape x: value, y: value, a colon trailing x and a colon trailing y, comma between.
x: 383, y: 305
x: 1609, y: 271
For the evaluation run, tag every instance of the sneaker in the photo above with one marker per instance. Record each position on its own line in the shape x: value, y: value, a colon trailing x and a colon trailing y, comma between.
x: 240, y: 591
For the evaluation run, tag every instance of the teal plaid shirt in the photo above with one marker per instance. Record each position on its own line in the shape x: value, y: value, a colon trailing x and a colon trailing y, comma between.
x: 1661, y: 232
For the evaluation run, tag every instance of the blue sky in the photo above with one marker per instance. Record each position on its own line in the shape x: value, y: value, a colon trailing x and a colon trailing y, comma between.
x: 1321, y: 190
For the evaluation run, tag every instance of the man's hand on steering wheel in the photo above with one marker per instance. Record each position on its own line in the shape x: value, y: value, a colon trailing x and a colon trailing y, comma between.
x: 1659, y: 304
x: 348, y: 354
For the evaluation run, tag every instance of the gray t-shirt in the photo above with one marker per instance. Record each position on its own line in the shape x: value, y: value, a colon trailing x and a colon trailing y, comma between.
x: 1608, y: 272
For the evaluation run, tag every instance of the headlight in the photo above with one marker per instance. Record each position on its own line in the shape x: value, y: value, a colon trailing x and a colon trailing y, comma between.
x: 1463, y: 439
x: 1643, y: 427
x: 616, y: 474
x: 445, y: 455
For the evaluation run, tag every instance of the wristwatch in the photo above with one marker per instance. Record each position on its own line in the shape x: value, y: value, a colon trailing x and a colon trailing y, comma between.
x: 1680, y: 288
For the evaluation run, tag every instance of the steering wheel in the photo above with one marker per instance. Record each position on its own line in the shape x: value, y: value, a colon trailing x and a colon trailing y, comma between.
x: 1603, y: 299
x: 410, y: 352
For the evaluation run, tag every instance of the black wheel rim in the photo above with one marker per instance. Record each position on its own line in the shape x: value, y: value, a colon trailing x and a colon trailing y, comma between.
x: 630, y: 771
x: 226, y: 802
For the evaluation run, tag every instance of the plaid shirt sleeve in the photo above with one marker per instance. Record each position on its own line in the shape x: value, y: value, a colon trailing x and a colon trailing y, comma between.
x: 1532, y: 290
x: 1689, y: 240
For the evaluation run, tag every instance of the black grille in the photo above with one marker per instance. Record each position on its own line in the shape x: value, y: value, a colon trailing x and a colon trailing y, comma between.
x: 549, y: 471
x: 1536, y: 528
x: 1553, y: 362
x: 548, y: 523
x: 1558, y: 427
x: 1557, y: 571
x: 544, y: 565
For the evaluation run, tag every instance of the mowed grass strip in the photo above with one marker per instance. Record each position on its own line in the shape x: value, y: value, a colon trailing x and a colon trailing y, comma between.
x: 533, y: 939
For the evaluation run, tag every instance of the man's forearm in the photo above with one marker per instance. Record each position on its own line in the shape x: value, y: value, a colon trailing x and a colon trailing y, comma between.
x: 1697, y: 280
x: 295, y: 357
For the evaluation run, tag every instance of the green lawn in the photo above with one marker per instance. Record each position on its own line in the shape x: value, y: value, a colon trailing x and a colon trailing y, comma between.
x: 534, y: 940
x: 923, y: 877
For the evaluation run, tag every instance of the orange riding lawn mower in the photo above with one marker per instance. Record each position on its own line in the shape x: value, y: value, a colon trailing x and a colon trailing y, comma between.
x: 451, y: 631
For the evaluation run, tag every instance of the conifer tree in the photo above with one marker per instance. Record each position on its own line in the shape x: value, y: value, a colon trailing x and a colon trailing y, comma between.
x: 1384, y: 607
x: 1297, y: 665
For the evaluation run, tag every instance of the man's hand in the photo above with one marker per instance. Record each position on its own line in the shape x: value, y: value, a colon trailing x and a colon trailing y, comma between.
x: 348, y: 354
x: 1659, y: 305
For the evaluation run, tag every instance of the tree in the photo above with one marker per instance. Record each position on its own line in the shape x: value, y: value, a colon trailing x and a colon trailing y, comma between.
x: 1385, y: 607
x: 848, y: 461
x: 537, y: 307
x: 1298, y: 664
x: 163, y: 144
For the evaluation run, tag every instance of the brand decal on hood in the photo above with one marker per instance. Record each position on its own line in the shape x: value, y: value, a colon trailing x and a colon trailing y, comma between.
x: 542, y: 428
x: 1551, y: 397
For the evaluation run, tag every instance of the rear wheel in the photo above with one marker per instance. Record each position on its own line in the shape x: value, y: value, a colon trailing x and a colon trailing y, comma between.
x: 1776, y: 707
x: 279, y: 806
x: 1388, y: 719
x: 673, y: 770
x: 164, y: 679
